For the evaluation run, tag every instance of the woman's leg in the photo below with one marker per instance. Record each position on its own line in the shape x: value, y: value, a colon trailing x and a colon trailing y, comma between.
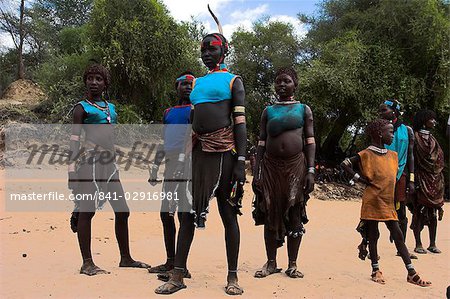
x: 294, y: 239
x: 432, y: 227
x: 122, y: 213
x: 373, y: 234
x: 397, y: 236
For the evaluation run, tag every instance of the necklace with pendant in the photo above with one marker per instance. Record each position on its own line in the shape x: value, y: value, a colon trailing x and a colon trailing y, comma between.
x: 104, y: 109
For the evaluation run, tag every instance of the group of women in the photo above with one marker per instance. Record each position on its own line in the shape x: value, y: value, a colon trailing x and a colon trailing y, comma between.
x: 283, y: 175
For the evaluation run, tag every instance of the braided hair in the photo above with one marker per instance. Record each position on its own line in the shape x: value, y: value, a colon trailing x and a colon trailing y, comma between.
x: 374, y: 128
x: 288, y: 71
x: 99, y: 69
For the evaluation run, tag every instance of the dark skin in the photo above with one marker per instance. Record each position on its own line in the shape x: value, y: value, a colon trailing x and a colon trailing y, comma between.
x: 95, y: 85
x: 432, y: 227
x: 385, y: 136
x: 206, y: 118
x: 285, y: 145
x: 388, y: 113
x: 184, y: 89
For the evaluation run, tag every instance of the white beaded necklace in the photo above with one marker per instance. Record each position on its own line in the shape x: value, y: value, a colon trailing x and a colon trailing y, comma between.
x: 375, y: 149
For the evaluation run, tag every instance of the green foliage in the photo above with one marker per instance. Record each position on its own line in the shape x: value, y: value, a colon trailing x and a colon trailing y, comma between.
x: 62, y: 80
x: 128, y: 114
x: 256, y: 55
x: 144, y: 49
x: 359, y: 53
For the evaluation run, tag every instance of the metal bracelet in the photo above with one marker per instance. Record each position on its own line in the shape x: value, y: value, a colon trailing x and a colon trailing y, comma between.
x: 241, y: 158
x: 311, y: 170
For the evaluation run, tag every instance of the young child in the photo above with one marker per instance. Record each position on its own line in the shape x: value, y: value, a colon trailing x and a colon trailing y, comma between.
x: 377, y: 168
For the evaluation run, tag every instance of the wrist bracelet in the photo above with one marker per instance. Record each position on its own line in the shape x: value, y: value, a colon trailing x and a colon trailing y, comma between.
x: 411, y: 177
x: 356, y: 177
x: 311, y: 170
x: 241, y: 158
x: 181, y: 157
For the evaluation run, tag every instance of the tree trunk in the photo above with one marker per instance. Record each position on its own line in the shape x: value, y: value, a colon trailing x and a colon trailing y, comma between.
x: 21, y: 67
x: 329, y: 150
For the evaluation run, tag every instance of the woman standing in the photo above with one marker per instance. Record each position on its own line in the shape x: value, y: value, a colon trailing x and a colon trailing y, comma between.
x: 284, y: 173
x: 429, y: 166
x: 218, y: 160
x: 93, y: 174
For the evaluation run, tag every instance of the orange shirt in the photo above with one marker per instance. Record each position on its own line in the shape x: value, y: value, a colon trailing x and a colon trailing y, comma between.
x: 378, y: 197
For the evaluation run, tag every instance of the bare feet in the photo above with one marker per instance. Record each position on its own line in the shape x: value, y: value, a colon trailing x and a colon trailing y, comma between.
x: 90, y: 269
x: 270, y: 267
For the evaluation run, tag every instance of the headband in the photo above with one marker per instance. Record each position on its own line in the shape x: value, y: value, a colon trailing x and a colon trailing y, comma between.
x: 185, y: 77
x: 393, y: 105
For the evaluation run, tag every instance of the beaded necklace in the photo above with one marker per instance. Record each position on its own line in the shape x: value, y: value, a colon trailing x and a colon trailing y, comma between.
x: 104, y: 109
x: 378, y: 150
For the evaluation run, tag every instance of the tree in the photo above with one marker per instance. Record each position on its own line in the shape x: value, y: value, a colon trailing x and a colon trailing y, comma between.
x: 360, y: 52
x: 256, y: 55
x: 15, y: 26
x: 144, y: 49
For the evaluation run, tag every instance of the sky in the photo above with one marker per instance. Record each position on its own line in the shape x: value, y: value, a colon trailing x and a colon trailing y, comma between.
x: 231, y: 13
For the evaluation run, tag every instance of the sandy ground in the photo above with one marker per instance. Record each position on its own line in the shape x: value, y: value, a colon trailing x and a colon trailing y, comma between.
x: 328, y: 258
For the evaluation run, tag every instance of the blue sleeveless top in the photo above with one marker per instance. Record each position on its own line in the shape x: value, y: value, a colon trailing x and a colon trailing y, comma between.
x: 400, y: 146
x: 213, y: 87
x: 174, y: 136
x: 97, y: 116
x: 281, y: 118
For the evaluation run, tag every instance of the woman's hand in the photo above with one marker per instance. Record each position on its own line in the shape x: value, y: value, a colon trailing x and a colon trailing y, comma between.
x: 309, y: 183
x: 239, y: 172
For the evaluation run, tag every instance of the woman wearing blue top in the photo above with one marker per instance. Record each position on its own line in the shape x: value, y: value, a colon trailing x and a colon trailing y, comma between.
x: 403, y: 145
x: 284, y: 173
x: 92, y: 171
x: 218, y: 160
x: 176, y: 119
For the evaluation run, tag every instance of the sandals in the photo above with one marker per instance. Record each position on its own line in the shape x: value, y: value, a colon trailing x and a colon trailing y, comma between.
x: 233, y: 289
x: 265, y: 271
x: 167, y: 275
x: 434, y: 249
x: 415, y: 279
x: 377, y: 277
x: 420, y: 250
x: 135, y: 264
x: 176, y: 286
x: 160, y: 269
x: 293, y: 273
